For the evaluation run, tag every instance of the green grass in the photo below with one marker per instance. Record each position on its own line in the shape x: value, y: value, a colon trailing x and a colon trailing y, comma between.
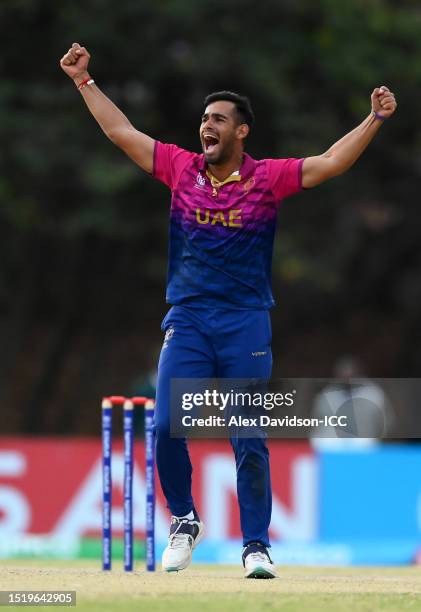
x: 241, y: 603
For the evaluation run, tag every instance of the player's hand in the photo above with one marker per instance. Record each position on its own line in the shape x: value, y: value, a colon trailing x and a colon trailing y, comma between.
x: 383, y: 101
x: 75, y: 61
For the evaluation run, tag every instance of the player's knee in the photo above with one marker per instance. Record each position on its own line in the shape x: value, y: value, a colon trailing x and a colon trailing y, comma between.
x: 254, y: 469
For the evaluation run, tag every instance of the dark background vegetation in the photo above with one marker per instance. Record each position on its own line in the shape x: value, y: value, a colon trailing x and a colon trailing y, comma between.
x: 84, y: 232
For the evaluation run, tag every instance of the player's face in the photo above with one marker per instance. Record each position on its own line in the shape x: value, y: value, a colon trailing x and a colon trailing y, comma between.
x: 219, y: 131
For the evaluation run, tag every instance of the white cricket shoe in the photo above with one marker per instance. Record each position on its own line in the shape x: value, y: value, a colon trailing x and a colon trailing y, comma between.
x: 257, y: 562
x: 185, y: 534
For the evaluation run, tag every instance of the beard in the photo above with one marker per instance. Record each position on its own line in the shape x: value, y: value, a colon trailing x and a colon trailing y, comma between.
x: 220, y: 156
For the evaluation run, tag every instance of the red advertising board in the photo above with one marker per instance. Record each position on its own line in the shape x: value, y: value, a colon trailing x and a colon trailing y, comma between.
x: 53, y: 486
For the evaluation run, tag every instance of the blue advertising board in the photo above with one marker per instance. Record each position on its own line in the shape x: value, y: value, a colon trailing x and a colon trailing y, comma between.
x: 371, y: 500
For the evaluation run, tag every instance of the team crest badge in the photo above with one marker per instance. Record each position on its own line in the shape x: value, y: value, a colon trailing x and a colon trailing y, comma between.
x: 249, y: 184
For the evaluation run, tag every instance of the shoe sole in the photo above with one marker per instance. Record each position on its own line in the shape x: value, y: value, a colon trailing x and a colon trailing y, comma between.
x: 262, y: 573
x: 195, y: 543
x: 170, y: 570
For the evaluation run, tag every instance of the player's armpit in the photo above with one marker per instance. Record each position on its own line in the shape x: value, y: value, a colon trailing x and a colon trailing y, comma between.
x: 137, y: 145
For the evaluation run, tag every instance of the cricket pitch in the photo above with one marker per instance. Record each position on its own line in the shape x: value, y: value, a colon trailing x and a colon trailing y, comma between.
x: 217, y: 587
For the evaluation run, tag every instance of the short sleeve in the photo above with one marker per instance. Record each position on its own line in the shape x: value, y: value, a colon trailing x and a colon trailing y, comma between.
x: 169, y: 162
x: 285, y: 176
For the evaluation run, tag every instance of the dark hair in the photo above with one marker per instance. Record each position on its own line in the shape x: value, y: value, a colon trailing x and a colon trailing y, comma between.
x: 242, y: 104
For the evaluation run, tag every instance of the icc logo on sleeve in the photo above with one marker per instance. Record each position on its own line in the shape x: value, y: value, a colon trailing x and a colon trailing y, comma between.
x: 168, y: 335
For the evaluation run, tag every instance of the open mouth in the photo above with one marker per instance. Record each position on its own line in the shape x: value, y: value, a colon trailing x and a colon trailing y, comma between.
x: 210, y: 142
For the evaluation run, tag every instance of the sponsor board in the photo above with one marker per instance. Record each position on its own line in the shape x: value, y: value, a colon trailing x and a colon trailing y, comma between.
x: 51, y: 492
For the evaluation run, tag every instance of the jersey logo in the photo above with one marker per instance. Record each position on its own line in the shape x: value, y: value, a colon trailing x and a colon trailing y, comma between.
x: 200, y: 181
x: 229, y: 218
x: 249, y: 184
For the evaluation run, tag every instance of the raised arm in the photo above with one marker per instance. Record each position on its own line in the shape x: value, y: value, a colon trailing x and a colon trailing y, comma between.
x: 113, y: 122
x: 348, y: 149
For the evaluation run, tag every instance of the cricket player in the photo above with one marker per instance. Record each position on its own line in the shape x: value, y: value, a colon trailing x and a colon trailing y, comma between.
x: 222, y: 226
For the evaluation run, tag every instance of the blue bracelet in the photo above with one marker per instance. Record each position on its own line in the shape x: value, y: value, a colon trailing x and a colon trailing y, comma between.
x: 379, y: 116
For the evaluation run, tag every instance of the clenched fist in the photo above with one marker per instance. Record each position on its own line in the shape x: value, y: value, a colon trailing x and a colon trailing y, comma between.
x: 75, y: 62
x: 383, y: 102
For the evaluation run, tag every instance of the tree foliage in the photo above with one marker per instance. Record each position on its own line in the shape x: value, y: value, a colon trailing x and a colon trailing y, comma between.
x: 78, y: 217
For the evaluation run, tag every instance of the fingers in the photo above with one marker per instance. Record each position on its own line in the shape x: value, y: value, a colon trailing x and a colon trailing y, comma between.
x: 381, y: 91
x: 81, y: 51
x: 389, y: 105
x: 69, y: 58
x: 77, y: 50
x: 387, y: 99
x: 383, y: 100
x: 66, y: 60
x: 73, y: 54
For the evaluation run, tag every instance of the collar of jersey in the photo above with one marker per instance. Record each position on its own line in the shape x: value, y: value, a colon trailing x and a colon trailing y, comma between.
x: 247, y: 167
x: 232, y: 178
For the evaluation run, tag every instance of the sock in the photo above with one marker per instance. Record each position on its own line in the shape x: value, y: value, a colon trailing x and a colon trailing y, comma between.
x: 189, y: 516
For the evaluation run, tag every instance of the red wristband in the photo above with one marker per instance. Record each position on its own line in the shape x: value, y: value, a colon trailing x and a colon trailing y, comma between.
x: 85, y: 82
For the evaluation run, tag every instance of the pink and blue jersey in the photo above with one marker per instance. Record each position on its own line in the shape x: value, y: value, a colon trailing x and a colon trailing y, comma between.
x: 221, y: 239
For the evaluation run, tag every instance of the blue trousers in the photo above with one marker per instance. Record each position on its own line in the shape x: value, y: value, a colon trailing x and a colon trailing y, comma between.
x: 215, y: 343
